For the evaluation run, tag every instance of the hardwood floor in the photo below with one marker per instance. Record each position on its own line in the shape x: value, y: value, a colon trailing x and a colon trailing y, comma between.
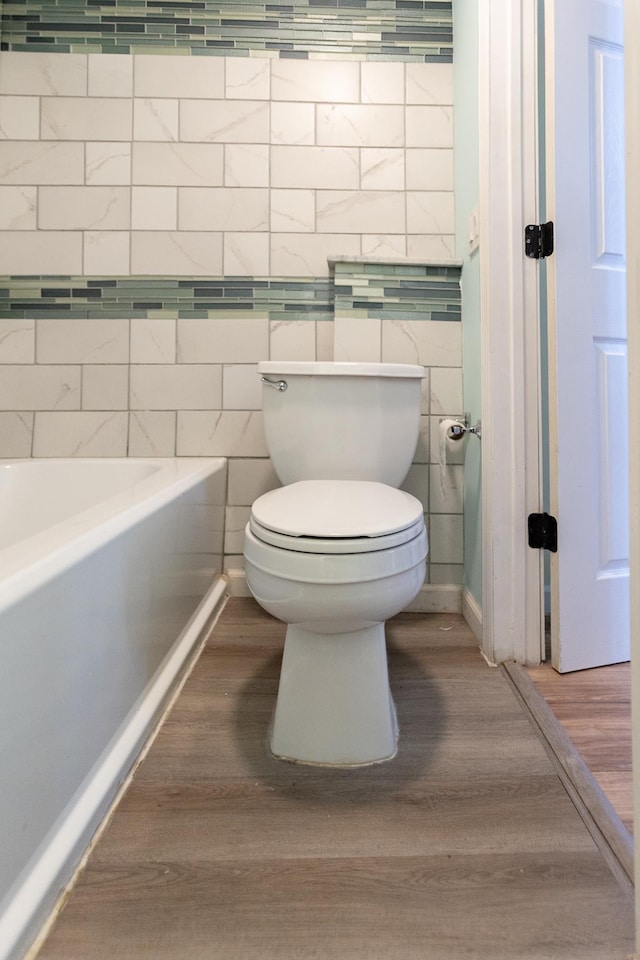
x: 466, y: 845
x: 594, y: 707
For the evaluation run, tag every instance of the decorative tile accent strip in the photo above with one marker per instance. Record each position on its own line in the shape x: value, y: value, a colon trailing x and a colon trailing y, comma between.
x: 388, y: 291
x: 410, y: 30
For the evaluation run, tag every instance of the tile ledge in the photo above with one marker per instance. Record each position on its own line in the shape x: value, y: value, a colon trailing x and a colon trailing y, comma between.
x: 396, y: 261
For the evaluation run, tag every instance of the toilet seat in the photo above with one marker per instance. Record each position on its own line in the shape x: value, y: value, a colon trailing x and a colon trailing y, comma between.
x: 336, y: 517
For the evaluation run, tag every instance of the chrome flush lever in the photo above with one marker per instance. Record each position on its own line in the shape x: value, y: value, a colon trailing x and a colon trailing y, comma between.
x: 276, y: 384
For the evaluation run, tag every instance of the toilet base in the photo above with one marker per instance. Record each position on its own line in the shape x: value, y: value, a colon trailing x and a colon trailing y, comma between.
x: 334, y: 704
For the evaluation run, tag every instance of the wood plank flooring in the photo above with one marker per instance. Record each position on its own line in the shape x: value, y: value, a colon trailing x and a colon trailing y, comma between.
x: 594, y: 707
x: 464, y: 847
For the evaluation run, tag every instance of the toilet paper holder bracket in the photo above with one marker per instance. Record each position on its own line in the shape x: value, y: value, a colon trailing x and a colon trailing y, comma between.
x: 460, y: 427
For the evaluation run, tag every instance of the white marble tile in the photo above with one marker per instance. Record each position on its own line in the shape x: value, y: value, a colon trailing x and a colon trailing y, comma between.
x: 446, y: 538
x: 39, y: 387
x: 446, y: 391
x: 25, y: 162
x: 106, y: 252
x: 293, y: 211
x: 429, y: 127
x: 430, y: 211
x: 449, y: 573
x: 429, y: 169
x: 177, y: 164
x: 84, y: 208
x: 293, y: 123
x: 28, y: 251
x: 155, y: 119
x: 246, y: 165
x: 80, y: 434
x: 416, y: 483
x: 227, y: 433
x: 431, y: 247
x: 241, y: 387
x: 153, y: 340
x: 306, y: 255
x: 223, y: 208
x: 110, y: 76
x: 16, y: 434
x: 246, y: 255
x: 324, y: 339
x: 80, y: 118
x: 157, y: 75
x: 247, y: 78
x: 235, y: 520
x: 381, y: 169
x: 18, y: 206
x: 154, y: 208
x: 152, y: 433
x: 17, y: 341
x: 430, y: 342
x: 224, y: 121
x: 382, y: 82
x: 249, y: 479
x: 223, y: 341
x: 108, y: 164
x: 82, y: 341
x: 341, y: 211
x: 44, y: 74
x: 357, y: 339
x: 430, y: 83
x: 422, y: 454
x: 196, y: 386
x: 159, y: 252
x: 384, y: 245
x: 19, y: 118
x: 105, y: 387
x: 315, y: 80
x: 292, y: 340
x: 446, y: 488
x: 359, y: 125
x: 315, y: 167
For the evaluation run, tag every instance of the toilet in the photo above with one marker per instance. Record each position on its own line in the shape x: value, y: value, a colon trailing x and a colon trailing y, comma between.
x: 337, y: 550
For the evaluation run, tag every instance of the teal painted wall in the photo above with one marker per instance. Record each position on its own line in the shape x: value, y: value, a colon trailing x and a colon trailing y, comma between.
x: 465, y: 32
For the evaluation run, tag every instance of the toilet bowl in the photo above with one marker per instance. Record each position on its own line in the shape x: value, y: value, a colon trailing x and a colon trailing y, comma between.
x: 334, y: 559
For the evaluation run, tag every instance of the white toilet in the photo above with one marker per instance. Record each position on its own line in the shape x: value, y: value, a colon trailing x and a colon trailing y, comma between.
x: 337, y: 550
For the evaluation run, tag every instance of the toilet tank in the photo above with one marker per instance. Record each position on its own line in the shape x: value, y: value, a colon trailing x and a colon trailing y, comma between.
x: 341, y: 421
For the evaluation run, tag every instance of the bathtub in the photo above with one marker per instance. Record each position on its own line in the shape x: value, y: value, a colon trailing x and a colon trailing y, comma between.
x: 110, y: 572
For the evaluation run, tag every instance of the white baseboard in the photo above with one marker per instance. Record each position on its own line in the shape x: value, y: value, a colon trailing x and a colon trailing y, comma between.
x: 472, y: 613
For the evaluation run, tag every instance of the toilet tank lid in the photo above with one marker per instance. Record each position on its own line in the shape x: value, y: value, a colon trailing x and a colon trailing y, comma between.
x: 336, y: 508
x: 330, y: 368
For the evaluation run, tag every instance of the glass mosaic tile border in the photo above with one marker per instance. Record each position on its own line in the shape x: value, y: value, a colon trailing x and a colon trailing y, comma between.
x: 396, y: 292
x: 409, y: 30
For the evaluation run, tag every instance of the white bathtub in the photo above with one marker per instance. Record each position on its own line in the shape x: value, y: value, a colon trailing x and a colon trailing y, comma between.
x: 109, y: 572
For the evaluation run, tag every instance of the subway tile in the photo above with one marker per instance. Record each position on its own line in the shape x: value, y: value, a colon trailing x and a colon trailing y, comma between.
x: 223, y: 341
x: 293, y: 211
x: 43, y: 74
x: 248, y: 479
x: 430, y: 83
x: 155, y: 119
x: 153, y: 340
x: 293, y: 123
x: 16, y: 433
x: 430, y: 212
x: 84, y: 208
x: 108, y: 164
x: 434, y: 343
x: 235, y: 521
x: 94, y: 118
x: 382, y: 82
x: 246, y: 165
x: 26, y: 162
x: 224, y: 208
x: 82, y: 341
x: 177, y: 164
x: 37, y: 252
x: 429, y: 126
x: 110, y: 76
x: 357, y: 339
x: 226, y: 433
x: 19, y: 118
x: 446, y: 488
x: 224, y: 121
x: 315, y: 80
x: 306, y: 255
x: 382, y: 169
x: 157, y: 75
x: 422, y: 454
x: 17, y: 341
x: 105, y: 387
x: 446, y: 573
x: 446, y: 538
x: 246, y: 255
x: 416, y: 483
x: 40, y: 387
x: 384, y: 245
x: 315, y: 167
x: 324, y: 340
x: 342, y: 211
x: 292, y: 340
x: 80, y: 434
x: 446, y: 391
x: 152, y: 433
x: 154, y: 208
x: 359, y: 125
x: 247, y: 78
x: 18, y: 207
x: 176, y: 387
x: 158, y: 253
x: 106, y: 253
x: 241, y: 387
x: 431, y: 247
x: 429, y: 169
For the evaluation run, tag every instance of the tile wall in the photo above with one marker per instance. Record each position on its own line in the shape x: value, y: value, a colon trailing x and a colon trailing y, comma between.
x: 166, y: 222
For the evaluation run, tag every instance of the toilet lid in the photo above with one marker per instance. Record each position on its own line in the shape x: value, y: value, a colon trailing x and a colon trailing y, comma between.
x: 331, y: 512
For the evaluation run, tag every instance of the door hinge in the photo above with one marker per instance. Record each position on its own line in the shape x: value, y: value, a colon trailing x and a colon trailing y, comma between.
x: 538, y: 240
x: 543, y: 532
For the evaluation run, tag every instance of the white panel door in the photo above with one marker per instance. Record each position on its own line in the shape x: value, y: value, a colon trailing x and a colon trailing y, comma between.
x: 587, y: 333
